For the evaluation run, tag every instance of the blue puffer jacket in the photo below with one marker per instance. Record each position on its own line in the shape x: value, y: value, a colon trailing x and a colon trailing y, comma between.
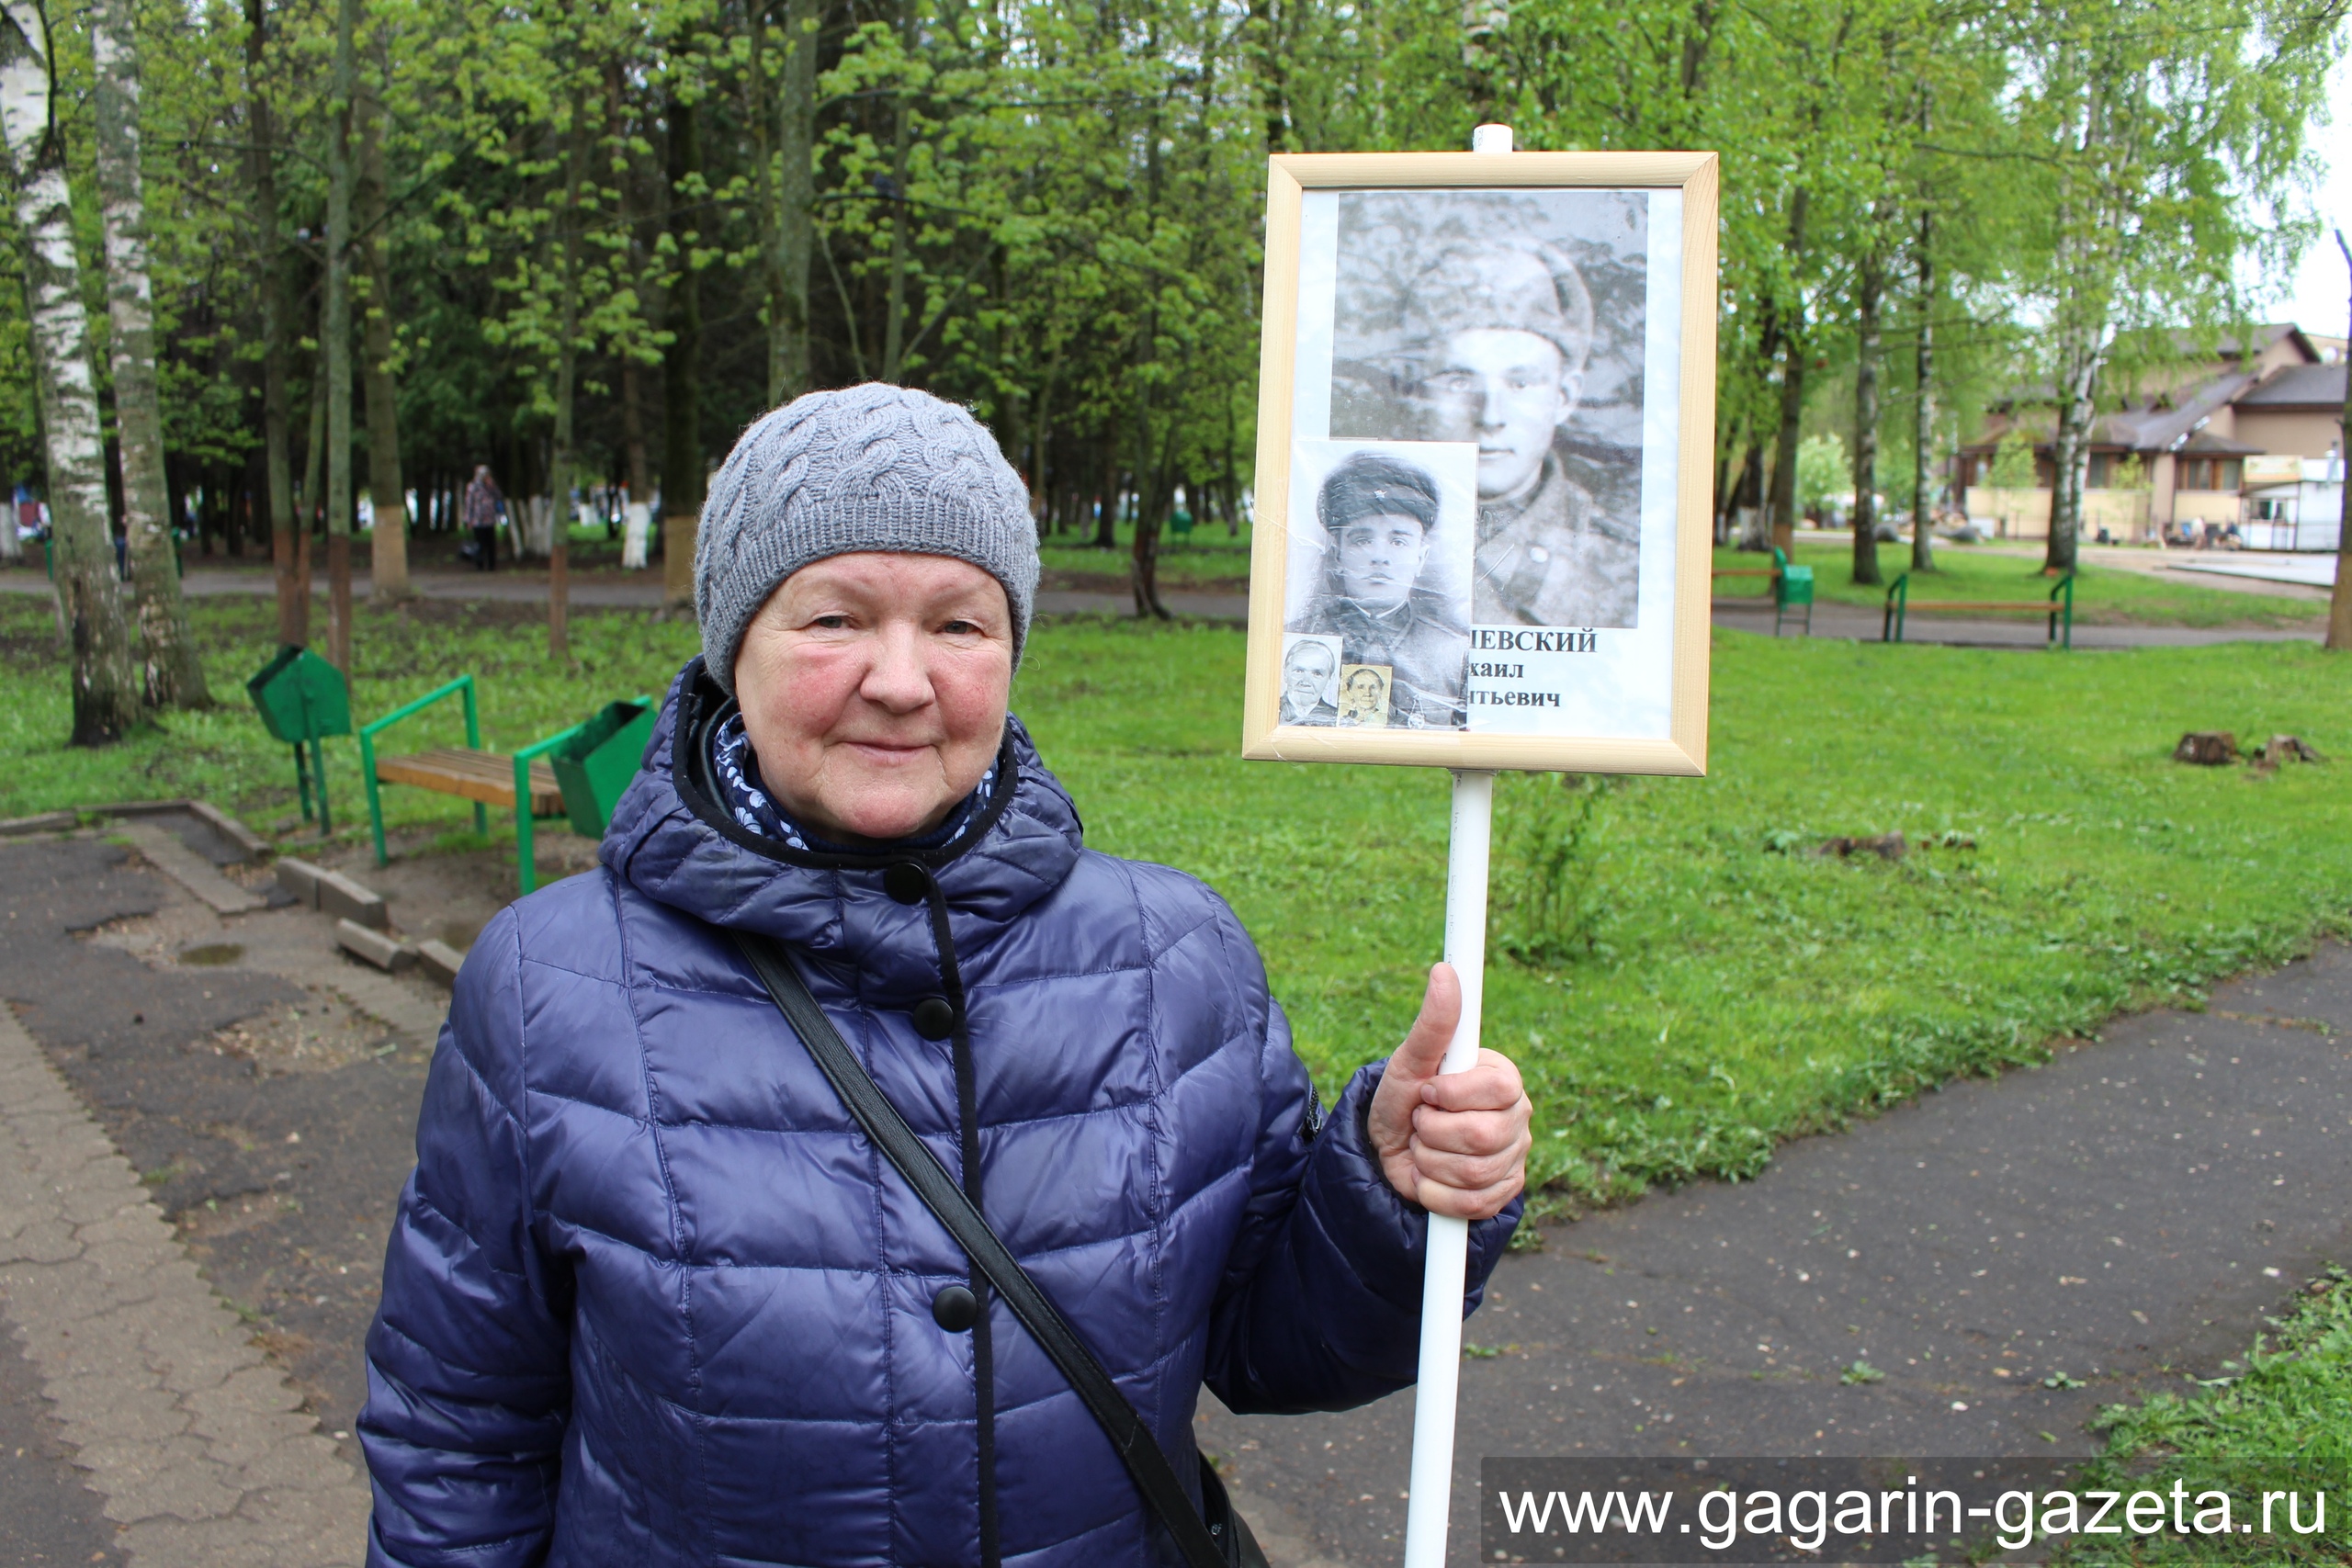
x: 652, y: 1298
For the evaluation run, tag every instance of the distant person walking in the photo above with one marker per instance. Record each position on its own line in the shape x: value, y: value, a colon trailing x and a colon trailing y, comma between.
x: 484, y: 504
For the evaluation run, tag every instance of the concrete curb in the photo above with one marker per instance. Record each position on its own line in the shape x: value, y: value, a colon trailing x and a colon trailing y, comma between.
x: 191, y: 870
x: 385, y: 952
x: 193, y: 1440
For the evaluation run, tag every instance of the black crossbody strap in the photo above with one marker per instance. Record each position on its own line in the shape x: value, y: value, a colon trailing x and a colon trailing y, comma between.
x: 1154, y: 1476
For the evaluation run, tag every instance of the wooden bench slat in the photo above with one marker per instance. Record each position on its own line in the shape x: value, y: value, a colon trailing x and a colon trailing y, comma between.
x: 484, y: 776
x: 2038, y: 609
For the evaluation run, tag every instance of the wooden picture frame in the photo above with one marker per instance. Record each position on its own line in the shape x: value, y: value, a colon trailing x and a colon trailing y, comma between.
x: 1422, y: 258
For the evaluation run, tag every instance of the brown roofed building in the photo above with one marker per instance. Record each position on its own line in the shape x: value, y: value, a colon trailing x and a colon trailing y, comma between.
x: 2250, y: 437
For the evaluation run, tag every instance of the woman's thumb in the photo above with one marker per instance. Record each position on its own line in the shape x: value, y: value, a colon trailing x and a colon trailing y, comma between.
x: 1424, y: 1048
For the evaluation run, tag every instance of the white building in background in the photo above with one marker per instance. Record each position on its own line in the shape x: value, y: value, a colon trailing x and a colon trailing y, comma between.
x: 2293, y: 503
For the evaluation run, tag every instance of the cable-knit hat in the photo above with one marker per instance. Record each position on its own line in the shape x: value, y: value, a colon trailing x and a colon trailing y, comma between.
x: 870, y: 467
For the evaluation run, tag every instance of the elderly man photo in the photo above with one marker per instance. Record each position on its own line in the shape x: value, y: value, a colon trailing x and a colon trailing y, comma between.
x: 1376, y: 597
x: 1307, y: 670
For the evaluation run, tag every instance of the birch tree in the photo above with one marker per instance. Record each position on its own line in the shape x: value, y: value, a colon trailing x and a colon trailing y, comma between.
x: 388, y: 538
x: 277, y: 331
x: 335, y: 336
x: 106, y: 686
x: 171, y: 674
x: 2167, y: 135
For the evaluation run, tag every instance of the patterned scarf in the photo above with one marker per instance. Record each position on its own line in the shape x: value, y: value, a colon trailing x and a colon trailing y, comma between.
x: 756, y: 811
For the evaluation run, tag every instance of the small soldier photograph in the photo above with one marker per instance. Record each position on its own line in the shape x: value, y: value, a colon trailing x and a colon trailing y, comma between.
x: 1512, y: 320
x: 1380, y: 562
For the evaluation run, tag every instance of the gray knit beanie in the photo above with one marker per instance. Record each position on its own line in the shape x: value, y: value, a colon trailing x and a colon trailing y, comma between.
x: 870, y: 467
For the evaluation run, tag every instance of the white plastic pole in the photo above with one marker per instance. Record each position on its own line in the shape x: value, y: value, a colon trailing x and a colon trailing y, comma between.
x: 1430, y: 1498
x: 1431, y: 1493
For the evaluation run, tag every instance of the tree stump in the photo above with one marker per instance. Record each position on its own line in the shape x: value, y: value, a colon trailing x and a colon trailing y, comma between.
x: 2207, y: 748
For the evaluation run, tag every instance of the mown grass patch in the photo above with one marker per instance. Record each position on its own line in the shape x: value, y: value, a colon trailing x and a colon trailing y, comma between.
x: 1684, y: 981
x: 2280, y: 1420
x: 2103, y: 596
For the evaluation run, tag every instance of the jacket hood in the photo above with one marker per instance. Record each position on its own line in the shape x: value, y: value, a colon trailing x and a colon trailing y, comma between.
x: 671, y: 839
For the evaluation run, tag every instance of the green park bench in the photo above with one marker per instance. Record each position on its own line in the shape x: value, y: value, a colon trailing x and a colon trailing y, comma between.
x: 577, y: 773
x: 2060, y: 609
x: 1792, y: 586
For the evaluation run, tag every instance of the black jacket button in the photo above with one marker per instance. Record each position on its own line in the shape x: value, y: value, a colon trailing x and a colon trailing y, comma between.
x: 955, y: 1309
x: 934, y: 1018
x: 906, y: 882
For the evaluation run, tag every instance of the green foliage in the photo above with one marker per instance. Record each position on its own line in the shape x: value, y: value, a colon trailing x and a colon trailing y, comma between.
x: 1823, y: 470
x: 2013, y: 462
x: 1059, y: 207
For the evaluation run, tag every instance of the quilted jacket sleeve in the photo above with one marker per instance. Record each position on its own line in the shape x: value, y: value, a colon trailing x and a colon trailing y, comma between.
x: 1321, y: 1304
x: 468, y: 1361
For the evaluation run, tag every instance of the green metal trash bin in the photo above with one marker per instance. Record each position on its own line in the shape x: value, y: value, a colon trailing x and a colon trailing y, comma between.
x: 1792, y: 587
x: 594, y: 764
x: 302, y: 699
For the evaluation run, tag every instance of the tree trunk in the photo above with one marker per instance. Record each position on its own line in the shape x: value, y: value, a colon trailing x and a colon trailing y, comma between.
x: 786, y: 189
x: 2079, y: 362
x: 337, y: 340
x: 681, y: 475
x: 894, y: 325
x: 171, y: 676
x: 311, y: 513
x: 276, y: 344
x: 640, y: 486
x: 1268, y: 53
x: 567, y: 362
x: 105, y: 685
x: 387, y: 542
x: 1151, y: 507
x: 1790, y: 321
x: 1923, y: 427
x: 2339, y: 605
x: 1782, y: 507
x: 1870, y: 285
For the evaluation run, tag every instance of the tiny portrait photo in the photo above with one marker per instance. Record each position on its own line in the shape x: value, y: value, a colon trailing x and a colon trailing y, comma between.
x: 1379, y: 564
x: 1363, y: 695
x: 1310, y: 680
x: 1514, y: 320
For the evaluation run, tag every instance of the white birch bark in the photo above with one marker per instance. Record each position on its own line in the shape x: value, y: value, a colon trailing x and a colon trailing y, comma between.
x: 105, y: 690
x: 170, y: 672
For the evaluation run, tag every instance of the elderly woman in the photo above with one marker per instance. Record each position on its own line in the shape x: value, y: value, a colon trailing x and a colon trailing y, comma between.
x: 654, y: 1296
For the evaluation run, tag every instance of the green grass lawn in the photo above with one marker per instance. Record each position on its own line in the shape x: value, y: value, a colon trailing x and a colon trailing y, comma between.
x: 2103, y: 595
x: 1685, y: 983
x: 2280, y: 1420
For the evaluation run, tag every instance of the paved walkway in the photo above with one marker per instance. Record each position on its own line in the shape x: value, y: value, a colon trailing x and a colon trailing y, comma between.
x: 2310, y: 570
x: 2126, y: 1214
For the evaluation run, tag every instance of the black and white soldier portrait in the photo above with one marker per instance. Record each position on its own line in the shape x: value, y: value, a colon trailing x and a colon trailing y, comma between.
x: 1388, y: 573
x: 1514, y: 320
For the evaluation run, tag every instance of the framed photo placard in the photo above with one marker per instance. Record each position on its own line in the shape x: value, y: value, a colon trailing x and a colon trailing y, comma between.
x: 1485, y: 434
